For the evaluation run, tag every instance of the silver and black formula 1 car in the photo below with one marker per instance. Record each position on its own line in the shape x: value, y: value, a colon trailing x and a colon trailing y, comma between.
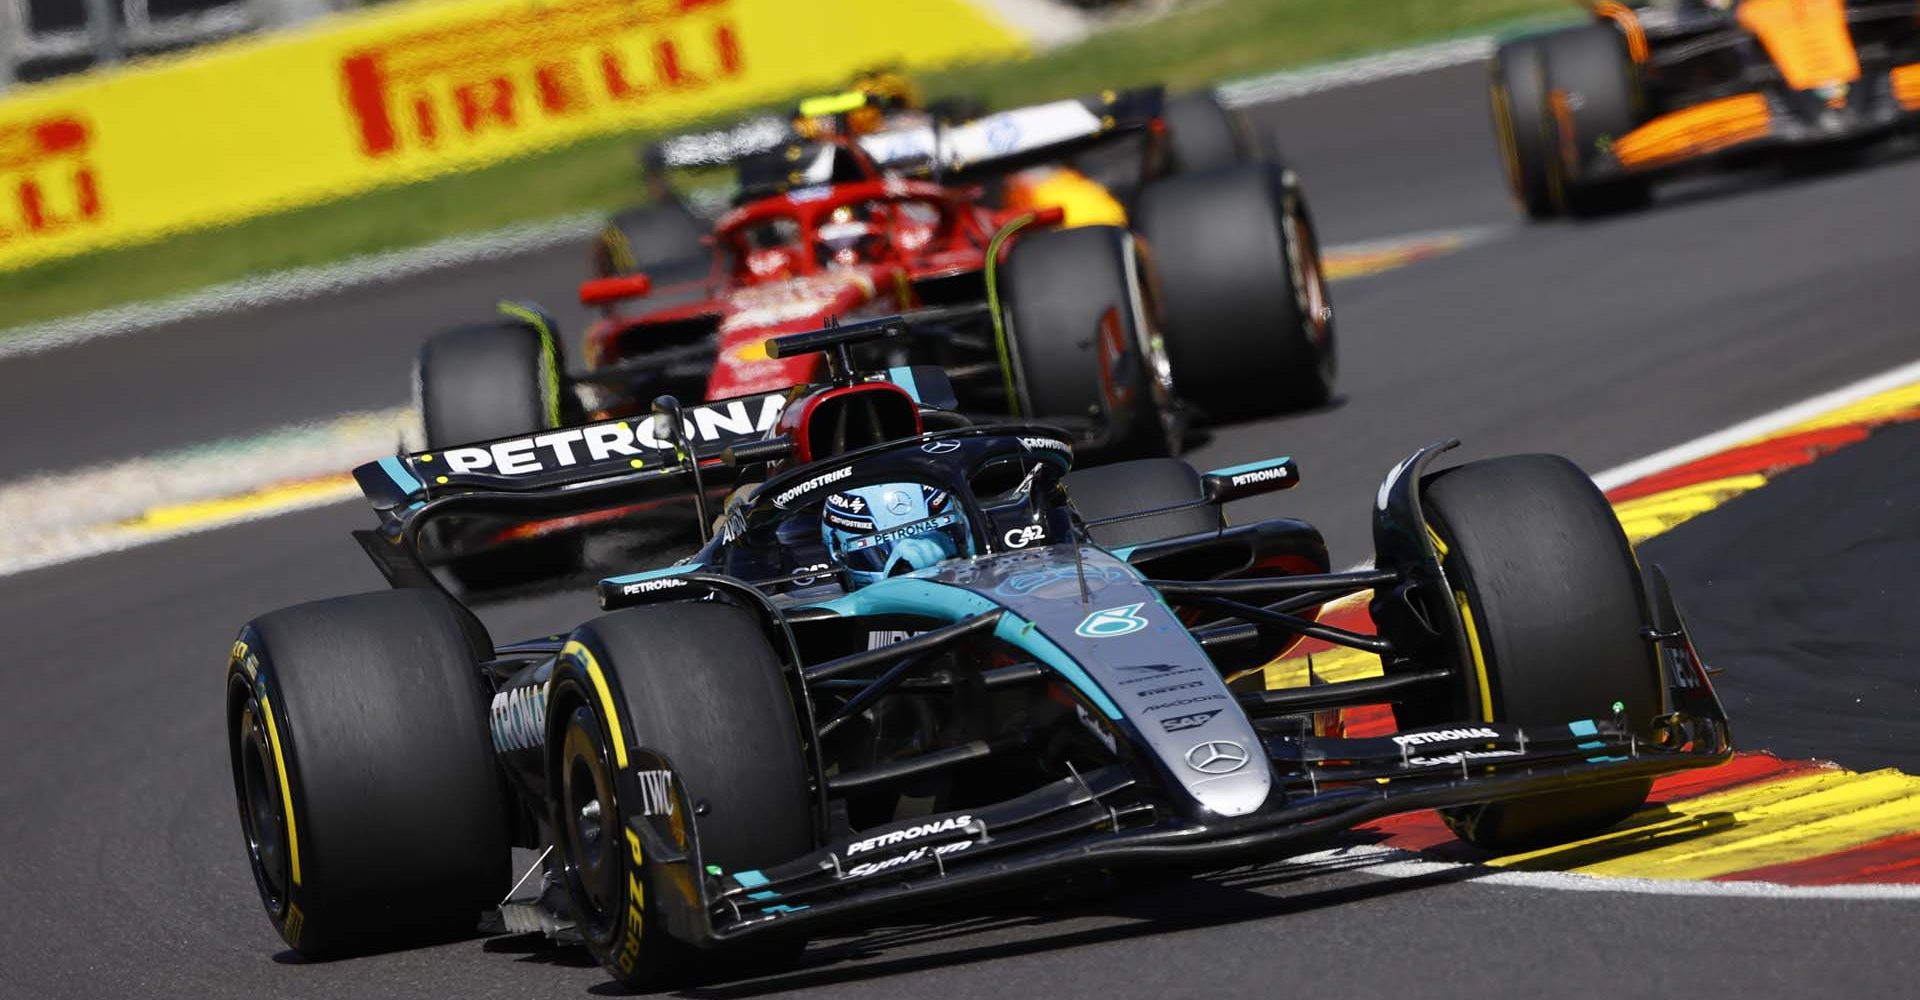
x: 924, y: 664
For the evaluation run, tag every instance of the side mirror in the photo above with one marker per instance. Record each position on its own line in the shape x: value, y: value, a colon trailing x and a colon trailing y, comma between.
x: 606, y: 291
x: 1252, y: 479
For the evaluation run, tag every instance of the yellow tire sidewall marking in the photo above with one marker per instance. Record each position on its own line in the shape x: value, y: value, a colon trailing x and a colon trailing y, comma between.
x: 286, y: 790
x: 584, y: 656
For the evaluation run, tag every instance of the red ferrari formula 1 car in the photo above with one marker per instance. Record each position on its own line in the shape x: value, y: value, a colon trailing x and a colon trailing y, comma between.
x: 1211, y: 293
x: 1587, y: 116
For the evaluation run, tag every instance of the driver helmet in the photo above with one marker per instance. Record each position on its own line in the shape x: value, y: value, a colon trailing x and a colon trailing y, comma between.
x: 875, y: 532
x: 851, y: 234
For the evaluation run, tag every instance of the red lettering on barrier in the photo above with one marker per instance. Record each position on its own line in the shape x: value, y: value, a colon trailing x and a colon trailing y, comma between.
x: 587, y: 54
x: 666, y: 65
x: 424, y: 120
x: 366, y: 89
x: 617, y: 86
x: 480, y: 101
x: 728, y: 45
x: 47, y: 184
x: 560, y: 88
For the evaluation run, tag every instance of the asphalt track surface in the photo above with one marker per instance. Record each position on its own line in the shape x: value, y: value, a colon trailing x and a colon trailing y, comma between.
x: 1605, y: 341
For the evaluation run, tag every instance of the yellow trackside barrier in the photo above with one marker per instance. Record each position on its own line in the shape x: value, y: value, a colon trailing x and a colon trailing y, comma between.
x: 358, y: 101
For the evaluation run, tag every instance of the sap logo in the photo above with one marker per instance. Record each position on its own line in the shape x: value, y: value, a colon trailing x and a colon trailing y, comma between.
x: 810, y: 485
x: 906, y: 833
x: 519, y: 718
x: 1193, y: 721
x: 1445, y: 736
x: 602, y: 442
x: 1020, y: 538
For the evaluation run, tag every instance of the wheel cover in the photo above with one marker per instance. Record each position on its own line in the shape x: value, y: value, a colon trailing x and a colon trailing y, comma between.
x: 589, y: 839
x: 261, y: 814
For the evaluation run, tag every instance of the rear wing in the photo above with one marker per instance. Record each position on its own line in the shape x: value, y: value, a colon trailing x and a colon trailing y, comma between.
x: 1017, y: 138
x: 1000, y: 142
x: 569, y: 458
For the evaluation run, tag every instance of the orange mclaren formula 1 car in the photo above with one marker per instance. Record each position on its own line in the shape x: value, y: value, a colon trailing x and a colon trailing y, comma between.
x: 1587, y: 116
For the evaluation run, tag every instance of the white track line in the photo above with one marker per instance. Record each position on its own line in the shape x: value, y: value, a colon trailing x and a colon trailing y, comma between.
x: 1289, y: 84
x: 1766, y: 423
x: 298, y: 284
x: 61, y: 517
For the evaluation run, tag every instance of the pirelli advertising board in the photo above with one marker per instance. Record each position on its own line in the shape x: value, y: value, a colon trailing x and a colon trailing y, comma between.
x: 358, y: 101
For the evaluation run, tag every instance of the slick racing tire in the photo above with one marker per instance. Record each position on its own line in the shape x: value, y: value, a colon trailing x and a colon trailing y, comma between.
x: 1249, y: 326
x: 1135, y: 487
x: 1202, y: 134
x: 1592, y: 98
x: 477, y: 383
x: 694, y: 690
x: 650, y: 238
x: 373, y: 811
x: 1081, y: 340
x: 1517, y: 93
x: 1551, y: 597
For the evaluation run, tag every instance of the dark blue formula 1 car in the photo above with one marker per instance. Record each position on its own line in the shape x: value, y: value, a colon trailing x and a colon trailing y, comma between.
x: 919, y: 658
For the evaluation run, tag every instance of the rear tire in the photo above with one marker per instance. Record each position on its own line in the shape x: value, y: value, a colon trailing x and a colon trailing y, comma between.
x: 1588, y: 68
x: 1081, y: 341
x: 478, y: 383
x: 1549, y: 585
x: 699, y: 685
x: 1248, y: 320
x: 391, y: 827
x: 1141, y: 485
x: 1202, y: 134
x: 1517, y: 93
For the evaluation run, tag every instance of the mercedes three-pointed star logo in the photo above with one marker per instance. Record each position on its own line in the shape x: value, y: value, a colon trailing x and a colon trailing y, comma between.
x: 1217, y: 757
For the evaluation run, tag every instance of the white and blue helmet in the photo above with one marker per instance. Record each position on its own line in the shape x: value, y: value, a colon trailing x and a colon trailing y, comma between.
x: 880, y: 531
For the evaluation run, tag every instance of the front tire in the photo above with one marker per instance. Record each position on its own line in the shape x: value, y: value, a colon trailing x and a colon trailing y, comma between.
x: 1081, y: 341
x: 1249, y: 324
x: 373, y: 811
x: 1592, y: 98
x: 697, y: 686
x: 1517, y: 94
x: 1551, y: 595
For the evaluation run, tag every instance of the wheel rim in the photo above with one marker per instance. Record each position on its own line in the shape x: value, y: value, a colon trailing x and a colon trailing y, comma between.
x: 594, y: 867
x: 1303, y: 252
x: 262, y: 813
